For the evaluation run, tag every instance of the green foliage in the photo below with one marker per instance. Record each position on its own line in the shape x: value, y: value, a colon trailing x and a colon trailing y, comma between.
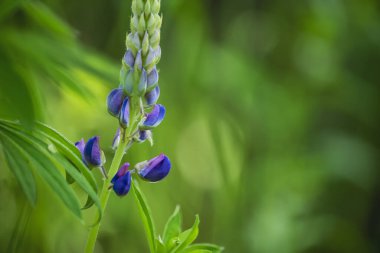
x: 38, y: 56
x: 145, y: 214
x: 47, y: 153
x: 173, y: 240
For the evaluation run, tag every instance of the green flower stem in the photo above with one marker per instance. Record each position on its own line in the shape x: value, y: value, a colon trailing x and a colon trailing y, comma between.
x: 126, y: 138
x: 104, y: 195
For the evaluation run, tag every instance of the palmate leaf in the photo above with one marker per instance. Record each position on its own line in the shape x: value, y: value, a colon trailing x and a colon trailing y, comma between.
x: 48, y: 163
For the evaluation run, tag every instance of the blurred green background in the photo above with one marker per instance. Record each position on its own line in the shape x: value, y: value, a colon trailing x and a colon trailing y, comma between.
x: 272, y: 120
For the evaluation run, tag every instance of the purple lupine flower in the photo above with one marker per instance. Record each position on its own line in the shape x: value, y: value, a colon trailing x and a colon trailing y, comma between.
x: 80, y: 146
x: 124, y: 114
x: 122, y: 180
x: 129, y: 59
x: 92, y: 152
x: 154, y: 118
x: 155, y: 169
x: 152, y: 96
x: 144, y: 135
x: 114, y: 101
x: 152, y: 78
x: 116, y: 139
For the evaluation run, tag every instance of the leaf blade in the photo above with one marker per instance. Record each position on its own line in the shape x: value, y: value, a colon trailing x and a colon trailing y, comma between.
x: 145, y: 214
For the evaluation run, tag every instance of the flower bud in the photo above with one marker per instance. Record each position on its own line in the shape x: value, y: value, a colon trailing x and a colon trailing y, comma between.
x: 144, y: 135
x: 122, y: 180
x: 92, y: 153
x: 129, y: 58
x: 138, y: 61
x: 152, y: 79
x: 142, y: 83
x: 152, y: 96
x: 158, y: 21
x: 141, y: 25
x: 124, y: 114
x: 116, y: 139
x: 147, y: 8
x: 114, y: 101
x: 155, y: 39
x: 154, y: 118
x: 150, y: 26
x: 155, y: 169
x: 145, y: 43
x: 155, y: 6
x: 133, y: 42
x: 153, y: 58
x: 134, y: 23
x: 80, y: 146
x: 129, y: 81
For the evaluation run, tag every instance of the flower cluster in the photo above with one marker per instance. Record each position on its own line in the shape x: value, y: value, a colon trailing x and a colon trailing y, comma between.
x: 133, y: 103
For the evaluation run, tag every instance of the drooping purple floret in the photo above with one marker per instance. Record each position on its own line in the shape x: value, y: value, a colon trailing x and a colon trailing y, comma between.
x: 92, y: 152
x: 122, y: 185
x: 121, y: 172
x: 152, y: 96
x: 124, y: 114
x: 155, y: 117
x: 156, y: 169
x: 114, y: 101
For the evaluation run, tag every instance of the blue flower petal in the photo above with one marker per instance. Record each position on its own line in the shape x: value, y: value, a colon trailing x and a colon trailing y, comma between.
x: 152, y: 78
x: 156, y: 169
x: 121, y: 172
x: 129, y: 58
x: 155, y: 117
x: 123, y: 184
x: 92, y: 152
x: 124, y: 114
x: 152, y: 96
x: 114, y: 101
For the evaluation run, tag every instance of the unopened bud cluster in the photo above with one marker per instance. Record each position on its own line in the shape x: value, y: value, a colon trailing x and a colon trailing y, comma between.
x: 139, y: 75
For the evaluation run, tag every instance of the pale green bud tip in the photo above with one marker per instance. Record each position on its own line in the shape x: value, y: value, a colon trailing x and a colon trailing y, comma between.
x: 155, y: 6
x: 147, y: 9
x: 145, y: 44
x: 141, y: 25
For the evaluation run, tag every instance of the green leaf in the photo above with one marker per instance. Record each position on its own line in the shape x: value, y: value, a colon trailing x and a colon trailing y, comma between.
x: 146, y: 215
x: 66, y: 157
x: 44, y: 164
x: 187, y: 237
x: 69, y: 150
x: 20, y: 168
x: 173, y: 226
x: 203, y: 246
x: 161, y: 248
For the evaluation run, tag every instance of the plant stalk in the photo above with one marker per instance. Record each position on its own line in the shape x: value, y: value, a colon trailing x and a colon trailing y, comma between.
x: 105, y: 193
